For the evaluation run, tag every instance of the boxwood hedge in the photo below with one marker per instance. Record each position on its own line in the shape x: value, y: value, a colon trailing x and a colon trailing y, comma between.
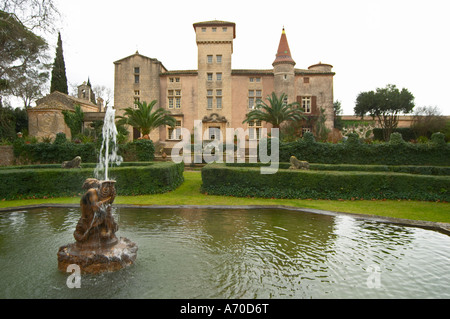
x: 219, y: 179
x: 353, y: 151
x: 151, y: 178
x: 410, y: 169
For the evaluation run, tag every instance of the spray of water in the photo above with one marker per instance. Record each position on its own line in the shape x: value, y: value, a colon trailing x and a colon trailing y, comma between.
x: 108, y: 151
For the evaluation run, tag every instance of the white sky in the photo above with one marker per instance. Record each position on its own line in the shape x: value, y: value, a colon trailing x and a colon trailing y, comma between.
x: 370, y: 43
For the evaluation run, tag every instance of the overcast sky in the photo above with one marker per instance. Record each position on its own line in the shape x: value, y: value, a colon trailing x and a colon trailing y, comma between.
x: 369, y: 43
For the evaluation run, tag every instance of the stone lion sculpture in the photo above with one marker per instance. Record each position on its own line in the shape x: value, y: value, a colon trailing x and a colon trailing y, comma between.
x: 296, y: 164
x: 75, y: 163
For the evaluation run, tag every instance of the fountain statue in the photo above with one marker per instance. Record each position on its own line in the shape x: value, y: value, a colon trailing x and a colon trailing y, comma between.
x: 97, y: 248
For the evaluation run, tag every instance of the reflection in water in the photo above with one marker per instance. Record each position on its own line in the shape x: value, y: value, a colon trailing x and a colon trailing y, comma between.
x: 204, y: 253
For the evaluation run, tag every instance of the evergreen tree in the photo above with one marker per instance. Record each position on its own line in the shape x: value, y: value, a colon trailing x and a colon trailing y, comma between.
x: 59, y: 79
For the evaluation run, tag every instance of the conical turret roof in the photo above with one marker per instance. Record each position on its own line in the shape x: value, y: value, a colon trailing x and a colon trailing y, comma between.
x: 283, y: 53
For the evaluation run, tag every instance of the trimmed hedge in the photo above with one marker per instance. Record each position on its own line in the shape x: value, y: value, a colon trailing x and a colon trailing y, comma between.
x: 218, y: 179
x: 407, y: 133
x: 53, y: 182
x: 60, y: 151
x: 410, y: 169
x: 394, y: 152
x: 83, y: 165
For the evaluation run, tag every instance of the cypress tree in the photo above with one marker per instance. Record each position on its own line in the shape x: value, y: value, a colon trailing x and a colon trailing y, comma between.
x: 59, y: 79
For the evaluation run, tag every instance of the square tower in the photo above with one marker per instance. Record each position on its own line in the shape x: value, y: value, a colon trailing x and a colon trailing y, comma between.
x: 215, y: 47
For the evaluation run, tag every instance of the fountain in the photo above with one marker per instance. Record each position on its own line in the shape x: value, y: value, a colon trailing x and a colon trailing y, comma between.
x: 97, y: 249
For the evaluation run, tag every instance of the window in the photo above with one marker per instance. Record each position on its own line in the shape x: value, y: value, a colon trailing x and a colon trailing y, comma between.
x: 258, y: 80
x: 171, y: 80
x: 306, y: 104
x: 254, y: 96
x: 209, y: 92
x: 218, y: 58
x: 305, y: 80
x: 210, y: 103
x: 203, y: 29
x: 285, y: 100
x: 219, y: 102
x: 214, y: 133
x: 214, y: 29
x: 177, y: 80
x: 136, y: 70
x: 224, y: 29
x: 136, y: 100
x: 254, y: 130
x: 219, y: 76
x: 136, y: 78
x: 209, y: 58
x: 174, y: 96
x: 306, y: 129
x: 209, y: 76
x: 219, y: 92
x: 174, y: 133
x: 136, y: 92
x: 252, y: 79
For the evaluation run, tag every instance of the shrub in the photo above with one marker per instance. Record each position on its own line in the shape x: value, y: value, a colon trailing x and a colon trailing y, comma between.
x: 138, y: 150
x: 218, y: 179
x: 131, y: 180
x: 353, y: 151
x: 62, y: 150
x: 410, y: 169
x: 407, y: 133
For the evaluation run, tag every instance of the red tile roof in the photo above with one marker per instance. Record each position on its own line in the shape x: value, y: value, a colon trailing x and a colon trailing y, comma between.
x: 283, y: 53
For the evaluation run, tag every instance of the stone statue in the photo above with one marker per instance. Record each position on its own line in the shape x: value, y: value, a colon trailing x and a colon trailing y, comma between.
x: 75, y: 163
x: 296, y: 164
x: 96, y: 226
x: 97, y: 249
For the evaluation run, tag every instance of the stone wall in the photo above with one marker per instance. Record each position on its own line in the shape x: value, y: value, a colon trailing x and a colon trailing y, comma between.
x: 6, y: 155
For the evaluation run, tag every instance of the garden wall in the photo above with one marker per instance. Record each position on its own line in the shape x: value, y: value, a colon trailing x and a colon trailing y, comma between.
x: 6, y: 155
x: 218, y: 179
x: 20, y: 183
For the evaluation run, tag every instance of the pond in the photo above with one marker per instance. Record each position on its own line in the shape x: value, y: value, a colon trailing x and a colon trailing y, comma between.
x: 230, y: 253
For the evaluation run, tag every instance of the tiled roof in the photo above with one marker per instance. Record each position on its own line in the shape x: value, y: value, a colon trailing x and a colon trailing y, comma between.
x: 283, y: 53
x: 251, y: 72
x: 58, y: 100
x: 180, y: 72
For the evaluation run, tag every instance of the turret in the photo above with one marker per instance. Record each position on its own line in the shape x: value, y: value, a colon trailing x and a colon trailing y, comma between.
x: 283, y: 70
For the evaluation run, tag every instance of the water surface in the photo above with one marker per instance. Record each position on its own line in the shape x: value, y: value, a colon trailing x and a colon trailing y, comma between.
x: 211, y: 253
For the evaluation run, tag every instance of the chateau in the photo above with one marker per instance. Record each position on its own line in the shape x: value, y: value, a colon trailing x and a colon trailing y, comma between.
x: 215, y: 93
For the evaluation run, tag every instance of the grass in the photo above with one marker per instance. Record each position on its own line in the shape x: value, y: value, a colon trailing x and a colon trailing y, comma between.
x: 189, y: 194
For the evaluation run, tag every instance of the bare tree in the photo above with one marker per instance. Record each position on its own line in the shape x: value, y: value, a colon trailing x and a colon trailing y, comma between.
x: 30, y: 85
x: 104, y: 92
x: 427, y: 120
x: 34, y: 14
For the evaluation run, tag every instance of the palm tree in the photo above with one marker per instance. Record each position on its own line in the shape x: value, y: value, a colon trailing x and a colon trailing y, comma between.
x: 275, y: 112
x: 145, y: 119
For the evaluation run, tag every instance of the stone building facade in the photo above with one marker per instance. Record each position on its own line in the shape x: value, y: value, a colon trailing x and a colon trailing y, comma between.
x: 46, y: 119
x: 217, y: 94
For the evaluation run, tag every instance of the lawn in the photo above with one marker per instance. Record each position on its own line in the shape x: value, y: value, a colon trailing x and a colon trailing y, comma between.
x: 189, y: 194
